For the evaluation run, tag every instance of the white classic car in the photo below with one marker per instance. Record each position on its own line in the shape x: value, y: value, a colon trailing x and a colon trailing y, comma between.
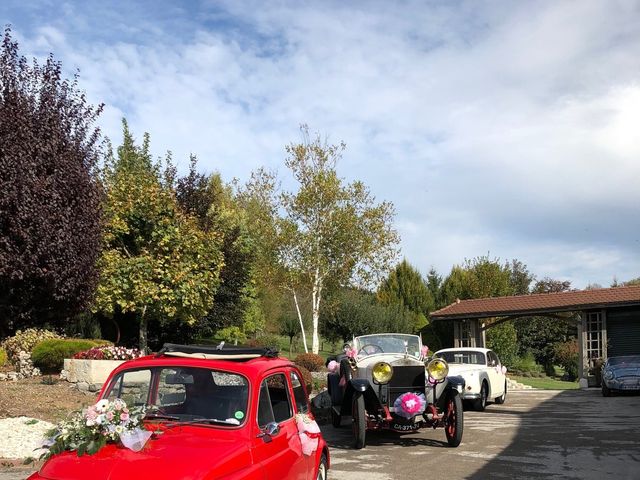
x: 485, y: 377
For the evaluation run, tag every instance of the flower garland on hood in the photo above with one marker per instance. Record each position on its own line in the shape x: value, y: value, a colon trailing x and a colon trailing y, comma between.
x: 88, y: 431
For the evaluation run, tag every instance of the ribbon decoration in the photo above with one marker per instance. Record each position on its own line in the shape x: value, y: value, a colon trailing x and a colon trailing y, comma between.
x: 135, y: 439
x: 309, y: 433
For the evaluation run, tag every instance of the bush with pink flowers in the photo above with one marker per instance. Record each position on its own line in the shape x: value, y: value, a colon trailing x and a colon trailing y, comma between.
x: 109, y: 352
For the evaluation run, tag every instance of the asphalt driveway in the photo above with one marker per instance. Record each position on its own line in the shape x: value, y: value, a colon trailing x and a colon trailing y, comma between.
x: 536, y: 434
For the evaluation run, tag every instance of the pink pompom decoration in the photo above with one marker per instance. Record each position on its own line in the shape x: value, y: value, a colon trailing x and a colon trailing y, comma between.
x: 409, y: 404
x: 333, y: 366
x: 424, y: 350
x: 350, y: 352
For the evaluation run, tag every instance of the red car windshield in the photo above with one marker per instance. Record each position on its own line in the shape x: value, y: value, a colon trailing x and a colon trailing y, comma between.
x: 184, y: 393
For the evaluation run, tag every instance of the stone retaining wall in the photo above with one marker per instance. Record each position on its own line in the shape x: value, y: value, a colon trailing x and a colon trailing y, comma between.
x: 88, y: 375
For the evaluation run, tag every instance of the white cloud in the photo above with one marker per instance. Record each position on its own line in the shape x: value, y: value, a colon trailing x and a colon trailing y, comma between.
x: 494, y: 127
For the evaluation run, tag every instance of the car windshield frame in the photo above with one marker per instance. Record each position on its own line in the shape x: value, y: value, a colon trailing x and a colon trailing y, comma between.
x: 452, y: 357
x: 388, y: 343
x: 192, y: 394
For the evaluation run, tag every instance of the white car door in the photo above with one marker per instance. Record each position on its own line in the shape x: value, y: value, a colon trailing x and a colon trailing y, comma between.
x: 496, y: 377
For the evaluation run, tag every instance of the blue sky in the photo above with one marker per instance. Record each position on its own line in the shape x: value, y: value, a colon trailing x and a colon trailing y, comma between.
x: 508, y: 128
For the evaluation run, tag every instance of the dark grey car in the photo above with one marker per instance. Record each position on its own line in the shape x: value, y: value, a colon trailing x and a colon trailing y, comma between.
x: 621, y: 374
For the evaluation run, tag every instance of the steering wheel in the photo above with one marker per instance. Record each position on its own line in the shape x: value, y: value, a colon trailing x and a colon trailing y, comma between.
x: 370, y: 349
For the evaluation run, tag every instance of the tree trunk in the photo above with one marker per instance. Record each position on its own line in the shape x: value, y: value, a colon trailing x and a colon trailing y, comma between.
x: 143, y: 331
x: 316, y: 295
x: 304, y: 336
x: 117, y: 327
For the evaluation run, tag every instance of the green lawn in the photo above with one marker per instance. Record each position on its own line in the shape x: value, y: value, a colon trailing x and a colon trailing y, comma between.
x: 546, y: 383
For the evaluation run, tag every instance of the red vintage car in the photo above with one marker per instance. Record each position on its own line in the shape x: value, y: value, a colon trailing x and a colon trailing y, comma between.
x: 227, y: 414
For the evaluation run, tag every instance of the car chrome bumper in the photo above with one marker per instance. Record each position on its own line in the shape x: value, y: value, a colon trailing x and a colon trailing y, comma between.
x: 626, y: 384
x: 470, y: 396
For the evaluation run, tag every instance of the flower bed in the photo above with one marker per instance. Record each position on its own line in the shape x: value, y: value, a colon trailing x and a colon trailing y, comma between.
x: 109, y: 352
x: 90, y: 369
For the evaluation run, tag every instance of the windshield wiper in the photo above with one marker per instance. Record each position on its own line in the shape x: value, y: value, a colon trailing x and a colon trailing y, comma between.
x: 210, y: 421
x: 160, y: 416
x: 218, y: 421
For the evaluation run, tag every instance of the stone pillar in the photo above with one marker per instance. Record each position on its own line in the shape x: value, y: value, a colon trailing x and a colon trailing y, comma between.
x: 583, y: 366
x: 456, y: 334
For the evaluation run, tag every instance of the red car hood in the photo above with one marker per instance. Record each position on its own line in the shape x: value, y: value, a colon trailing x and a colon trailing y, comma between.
x: 187, y: 452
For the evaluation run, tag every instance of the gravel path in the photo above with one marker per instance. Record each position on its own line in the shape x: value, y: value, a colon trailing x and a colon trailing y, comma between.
x: 21, y: 437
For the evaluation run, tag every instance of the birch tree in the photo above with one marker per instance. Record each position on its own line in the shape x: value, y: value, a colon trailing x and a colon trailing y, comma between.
x: 330, y: 231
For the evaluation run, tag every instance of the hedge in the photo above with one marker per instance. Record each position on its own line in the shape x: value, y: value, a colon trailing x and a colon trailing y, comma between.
x: 49, y: 355
x: 3, y: 357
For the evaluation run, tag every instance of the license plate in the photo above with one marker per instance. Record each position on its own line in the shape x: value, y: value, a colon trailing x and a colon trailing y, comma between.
x: 404, y: 427
x: 629, y: 387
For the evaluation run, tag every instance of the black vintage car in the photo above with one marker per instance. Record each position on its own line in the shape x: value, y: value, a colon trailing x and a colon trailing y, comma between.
x: 387, y: 382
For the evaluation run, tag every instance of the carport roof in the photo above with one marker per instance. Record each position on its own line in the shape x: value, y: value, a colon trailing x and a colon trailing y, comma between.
x: 540, y: 303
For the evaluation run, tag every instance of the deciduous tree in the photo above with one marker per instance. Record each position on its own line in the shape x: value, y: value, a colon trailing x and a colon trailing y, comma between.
x: 331, y: 231
x: 50, y: 193
x: 156, y: 261
x: 483, y: 277
x: 357, y: 312
x: 212, y: 203
x: 539, y: 335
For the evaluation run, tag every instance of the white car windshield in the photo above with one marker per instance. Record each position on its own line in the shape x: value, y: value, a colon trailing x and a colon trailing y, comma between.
x: 396, y: 343
x: 463, y: 357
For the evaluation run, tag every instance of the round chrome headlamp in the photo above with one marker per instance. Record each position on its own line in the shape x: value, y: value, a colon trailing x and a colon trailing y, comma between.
x: 382, y: 372
x: 609, y: 375
x: 438, y: 369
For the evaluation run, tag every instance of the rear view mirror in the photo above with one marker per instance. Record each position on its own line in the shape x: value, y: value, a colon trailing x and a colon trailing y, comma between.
x: 179, y: 379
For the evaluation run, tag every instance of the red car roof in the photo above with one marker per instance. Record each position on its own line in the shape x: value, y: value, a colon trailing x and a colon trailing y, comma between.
x: 250, y: 368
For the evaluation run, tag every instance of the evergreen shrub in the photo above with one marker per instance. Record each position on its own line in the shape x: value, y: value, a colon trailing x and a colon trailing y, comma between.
x: 525, y: 364
x: 311, y: 361
x: 49, y: 355
x: 566, y: 355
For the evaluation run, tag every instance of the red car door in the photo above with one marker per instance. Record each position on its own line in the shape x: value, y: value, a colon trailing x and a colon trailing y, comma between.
x: 301, y: 401
x: 279, y: 453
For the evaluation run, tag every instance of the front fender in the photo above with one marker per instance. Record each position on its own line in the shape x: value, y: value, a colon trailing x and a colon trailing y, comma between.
x: 359, y: 386
x: 335, y: 391
x: 454, y: 383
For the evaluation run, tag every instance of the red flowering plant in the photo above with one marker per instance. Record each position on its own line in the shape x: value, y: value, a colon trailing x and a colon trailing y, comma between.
x: 109, y: 352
